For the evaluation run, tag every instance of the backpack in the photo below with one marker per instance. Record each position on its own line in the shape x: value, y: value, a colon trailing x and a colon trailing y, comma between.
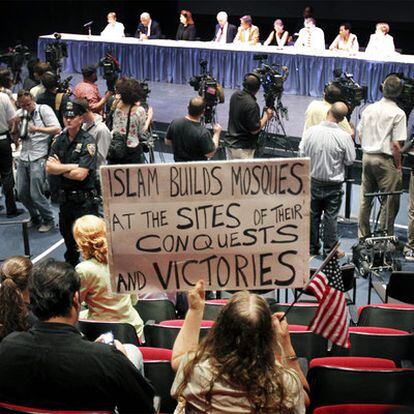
x: 117, y: 150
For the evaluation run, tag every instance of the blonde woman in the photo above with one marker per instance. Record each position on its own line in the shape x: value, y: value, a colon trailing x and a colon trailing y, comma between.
x: 381, y: 42
x: 90, y: 235
x: 245, y: 364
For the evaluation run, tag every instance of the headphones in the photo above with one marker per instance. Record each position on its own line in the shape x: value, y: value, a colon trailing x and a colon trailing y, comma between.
x: 255, y: 75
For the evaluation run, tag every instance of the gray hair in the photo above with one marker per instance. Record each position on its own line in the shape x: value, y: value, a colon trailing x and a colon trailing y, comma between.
x: 392, y: 87
x: 145, y: 15
x: 222, y: 15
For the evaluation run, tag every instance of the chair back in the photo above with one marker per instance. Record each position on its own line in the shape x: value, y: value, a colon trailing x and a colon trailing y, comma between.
x: 301, y: 313
x: 307, y: 344
x: 360, y: 409
x: 401, y: 287
x: 156, y: 310
x: 213, y: 308
x: 13, y: 408
x: 124, y: 332
x: 387, y: 316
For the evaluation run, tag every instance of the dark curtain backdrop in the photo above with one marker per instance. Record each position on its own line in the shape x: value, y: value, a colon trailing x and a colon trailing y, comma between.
x: 26, y: 20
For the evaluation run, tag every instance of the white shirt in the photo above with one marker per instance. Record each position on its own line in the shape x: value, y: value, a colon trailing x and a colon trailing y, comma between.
x: 379, y: 44
x: 312, y: 38
x: 330, y: 149
x: 351, y: 45
x: 114, y: 30
x: 223, y: 38
x: 381, y: 123
x: 7, y: 112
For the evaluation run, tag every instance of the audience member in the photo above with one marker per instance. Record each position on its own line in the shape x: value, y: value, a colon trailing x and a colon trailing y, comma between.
x: 73, y: 158
x: 114, y: 29
x: 7, y: 123
x: 186, y: 29
x: 89, y: 90
x: 6, y: 84
x: 310, y: 36
x: 30, y: 82
x: 14, y: 296
x: 317, y: 111
x: 225, y: 32
x: 31, y: 175
x: 381, y: 43
x: 90, y: 236
x: 39, y: 69
x: 345, y: 41
x: 148, y: 28
x: 279, y: 36
x: 246, y: 361
x: 330, y: 150
x: 382, y: 128
x: 130, y: 112
x: 54, y: 367
x: 191, y: 141
x: 247, y: 33
x: 245, y: 123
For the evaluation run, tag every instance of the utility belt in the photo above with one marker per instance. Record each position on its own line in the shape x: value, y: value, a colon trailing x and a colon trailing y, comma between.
x: 77, y: 196
x: 4, y: 135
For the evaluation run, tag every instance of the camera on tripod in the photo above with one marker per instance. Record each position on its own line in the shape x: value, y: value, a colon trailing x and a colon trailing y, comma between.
x: 55, y: 52
x: 111, y: 68
x: 406, y: 98
x: 352, y: 94
x: 209, y: 89
x: 15, y: 58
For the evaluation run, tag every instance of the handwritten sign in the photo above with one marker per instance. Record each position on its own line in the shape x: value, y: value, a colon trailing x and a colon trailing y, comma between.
x: 235, y: 224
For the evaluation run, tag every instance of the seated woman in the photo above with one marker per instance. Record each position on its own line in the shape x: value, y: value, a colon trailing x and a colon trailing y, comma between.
x: 279, y: 36
x: 14, y: 296
x: 345, y: 41
x: 186, y: 29
x: 381, y: 42
x: 245, y: 364
x: 90, y: 236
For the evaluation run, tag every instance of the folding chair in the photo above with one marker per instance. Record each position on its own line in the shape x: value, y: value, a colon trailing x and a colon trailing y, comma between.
x: 124, y: 332
x: 156, y: 310
x: 213, y: 308
x: 301, y: 313
x: 307, y: 344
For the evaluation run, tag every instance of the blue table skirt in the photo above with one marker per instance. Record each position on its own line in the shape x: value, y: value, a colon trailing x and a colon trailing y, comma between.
x: 307, y: 74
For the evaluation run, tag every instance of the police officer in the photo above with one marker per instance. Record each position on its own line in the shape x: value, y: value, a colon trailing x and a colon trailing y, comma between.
x: 73, y: 158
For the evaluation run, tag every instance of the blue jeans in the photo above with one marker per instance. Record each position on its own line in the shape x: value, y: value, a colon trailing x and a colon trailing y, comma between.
x: 326, y: 200
x: 31, y: 177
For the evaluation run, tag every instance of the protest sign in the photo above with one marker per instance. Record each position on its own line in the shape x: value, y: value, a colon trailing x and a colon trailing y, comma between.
x: 236, y: 224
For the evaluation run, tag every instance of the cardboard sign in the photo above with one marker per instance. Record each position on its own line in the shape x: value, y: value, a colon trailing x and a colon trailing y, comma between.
x: 236, y: 224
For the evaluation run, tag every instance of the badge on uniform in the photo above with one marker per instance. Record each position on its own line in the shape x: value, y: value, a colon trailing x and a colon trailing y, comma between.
x: 91, y: 149
x: 78, y: 147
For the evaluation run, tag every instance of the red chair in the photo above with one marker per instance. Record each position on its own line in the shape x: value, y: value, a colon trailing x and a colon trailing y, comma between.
x: 359, y: 409
x: 13, y: 408
x: 301, y: 313
x: 212, y: 308
x: 307, y: 344
x: 157, y: 368
x: 387, y: 316
x: 353, y: 362
x: 155, y: 309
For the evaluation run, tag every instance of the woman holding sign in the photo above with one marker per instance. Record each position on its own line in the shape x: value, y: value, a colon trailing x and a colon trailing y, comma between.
x: 90, y: 236
x: 245, y: 364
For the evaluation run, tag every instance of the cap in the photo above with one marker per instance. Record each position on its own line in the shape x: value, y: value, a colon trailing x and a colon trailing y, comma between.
x: 89, y: 70
x: 73, y: 109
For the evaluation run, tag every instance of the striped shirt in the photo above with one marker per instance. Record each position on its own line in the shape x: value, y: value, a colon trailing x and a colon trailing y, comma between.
x: 330, y: 150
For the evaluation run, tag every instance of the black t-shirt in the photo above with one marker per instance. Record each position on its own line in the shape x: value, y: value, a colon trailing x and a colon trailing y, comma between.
x: 186, y: 32
x: 244, y: 117
x: 81, y: 151
x: 53, y: 367
x: 191, y: 141
x: 49, y: 98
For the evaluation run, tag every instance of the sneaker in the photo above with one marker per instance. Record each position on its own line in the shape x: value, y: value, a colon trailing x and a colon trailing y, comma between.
x: 409, y: 255
x: 45, y: 227
x: 15, y: 213
x: 34, y: 221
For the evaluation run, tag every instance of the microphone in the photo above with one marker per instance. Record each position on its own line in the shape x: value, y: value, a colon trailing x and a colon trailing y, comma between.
x: 408, y: 144
x: 24, y: 125
x: 88, y: 24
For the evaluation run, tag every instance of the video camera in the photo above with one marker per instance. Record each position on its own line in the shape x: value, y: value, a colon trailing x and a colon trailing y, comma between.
x: 64, y: 85
x: 55, y: 52
x: 352, y: 94
x: 209, y: 89
x: 111, y: 68
x: 14, y: 58
x: 272, y: 78
x: 406, y: 98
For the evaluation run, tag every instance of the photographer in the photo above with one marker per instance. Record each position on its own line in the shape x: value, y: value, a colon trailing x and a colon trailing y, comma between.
x: 190, y: 140
x: 245, y: 123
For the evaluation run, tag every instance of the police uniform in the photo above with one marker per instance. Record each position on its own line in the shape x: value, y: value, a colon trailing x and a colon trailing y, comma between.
x: 76, y: 198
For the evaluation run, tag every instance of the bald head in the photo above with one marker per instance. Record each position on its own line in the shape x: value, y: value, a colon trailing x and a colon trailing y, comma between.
x: 338, y: 112
x: 196, y: 106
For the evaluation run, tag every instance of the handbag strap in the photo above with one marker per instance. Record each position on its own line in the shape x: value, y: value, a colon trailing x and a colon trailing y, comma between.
x: 128, y: 121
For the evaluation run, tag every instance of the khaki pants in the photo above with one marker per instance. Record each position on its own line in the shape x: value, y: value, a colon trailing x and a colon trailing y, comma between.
x: 239, y: 153
x: 378, y: 174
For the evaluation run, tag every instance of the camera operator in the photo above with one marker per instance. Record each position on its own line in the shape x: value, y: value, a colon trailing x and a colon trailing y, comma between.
x: 381, y: 129
x: 190, y: 140
x: 317, y: 110
x: 245, y: 123
x: 51, y: 97
x: 39, y: 69
x: 89, y: 90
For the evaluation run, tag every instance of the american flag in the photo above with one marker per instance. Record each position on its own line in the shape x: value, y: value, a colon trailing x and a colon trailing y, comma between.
x: 331, y: 319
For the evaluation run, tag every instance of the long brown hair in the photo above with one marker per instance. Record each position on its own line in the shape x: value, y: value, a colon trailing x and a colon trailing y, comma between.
x: 14, y: 276
x: 188, y: 17
x: 241, y: 348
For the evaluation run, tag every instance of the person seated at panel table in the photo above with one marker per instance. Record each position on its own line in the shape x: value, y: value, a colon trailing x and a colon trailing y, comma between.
x: 247, y: 33
x: 245, y: 364
x: 113, y: 29
x: 310, y: 36
x: 186, y: 29
x: 148, y: 28
x: 345, y: 41
x: 381, y: 42
x: 279, y: 36
x: 225, y: 32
